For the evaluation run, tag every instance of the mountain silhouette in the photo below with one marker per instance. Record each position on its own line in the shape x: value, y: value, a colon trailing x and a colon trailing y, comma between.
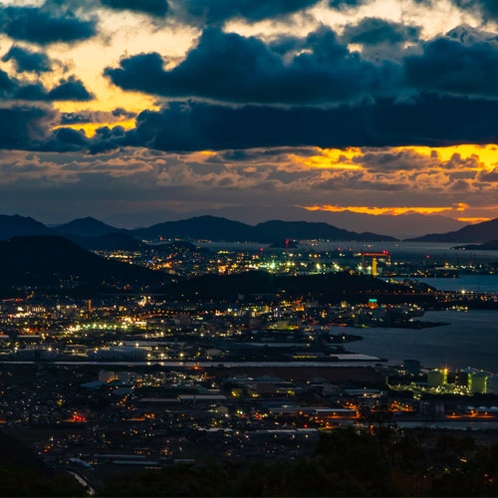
x: 221, y: 229
x: 85, y: 227
x: 53, y: 260
x: 13, y: 226
x: 478, y: 233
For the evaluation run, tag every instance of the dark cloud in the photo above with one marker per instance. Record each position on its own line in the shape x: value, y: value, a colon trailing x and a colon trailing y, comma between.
x: 373, y: 31
x: 468, y: 35
x: 347, y: 4
x: 70, y: 137
x: 431, y: 120
x: 25, y: 127
x: 65, y: 140
x: 7, y: 85
x: 409, y: 160
x: 70, y: 89
x: 488, y: 176
x: 381, y: 161
x: 217, y: 11
x: 268, y: 156
x: 27, y: 61
x: 107, y: 139
x: 30, y: 91
x: 427, y: 120
x: 227, y: 67
x: 488, y: 9
x: 319, y: 69
x: 39, y: 25
x: 106, y: 133
x: 76, y: 117
x: 458, y: 163
x: 152, y: 7
x: 455, y: 64
x: 11, y: 88
x: 117, y: 114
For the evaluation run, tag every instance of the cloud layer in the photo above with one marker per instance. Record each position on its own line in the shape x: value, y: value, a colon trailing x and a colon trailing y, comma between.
x: 201, y: 101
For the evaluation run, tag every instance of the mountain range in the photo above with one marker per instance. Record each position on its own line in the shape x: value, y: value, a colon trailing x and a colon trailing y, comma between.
x: 197, y: 228
x: 401, y: 227
x: 221, y: 229
x: 93, y: 234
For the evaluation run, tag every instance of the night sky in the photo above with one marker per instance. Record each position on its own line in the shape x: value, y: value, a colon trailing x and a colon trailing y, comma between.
x: 139, y: 111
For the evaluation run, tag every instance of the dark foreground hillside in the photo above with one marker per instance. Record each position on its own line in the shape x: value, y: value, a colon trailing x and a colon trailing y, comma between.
x: 346, y: 463
x: 380, y: 462
x: 53, y: 260
x: 23, y: 473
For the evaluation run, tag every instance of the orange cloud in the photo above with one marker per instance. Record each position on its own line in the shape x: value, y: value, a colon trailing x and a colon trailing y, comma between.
x: 332, y: 159
x: 394, y: 211
x: 487, y: 154
x: 350, y: 158
x: 473, y: 220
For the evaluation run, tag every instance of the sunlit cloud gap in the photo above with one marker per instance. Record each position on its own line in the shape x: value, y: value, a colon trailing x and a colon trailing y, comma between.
x: 393, y: 211
x: 473, y: 220
x: 90, y: 129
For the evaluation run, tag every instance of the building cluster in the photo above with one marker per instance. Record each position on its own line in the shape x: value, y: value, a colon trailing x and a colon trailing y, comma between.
x: 142, y: 380
x: 122, y: 414
x: 152, y: 328
x: 188, y: 260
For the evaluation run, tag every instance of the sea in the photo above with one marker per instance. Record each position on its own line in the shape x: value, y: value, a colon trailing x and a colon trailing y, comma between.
x: 469, y: 340
x: 471, y: 337
x: 416, y: 252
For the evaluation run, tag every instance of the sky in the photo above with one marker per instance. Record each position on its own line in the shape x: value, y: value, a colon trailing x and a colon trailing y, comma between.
x: 141, y: 111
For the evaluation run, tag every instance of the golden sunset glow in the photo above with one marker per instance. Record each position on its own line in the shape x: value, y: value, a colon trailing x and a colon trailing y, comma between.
x: 394, y: 211
x: 487, y: 155
x: 91, y: 128
x: 251, y: 110
x: 332, y: 159
x: 473, y: 220
x: 351, y: 158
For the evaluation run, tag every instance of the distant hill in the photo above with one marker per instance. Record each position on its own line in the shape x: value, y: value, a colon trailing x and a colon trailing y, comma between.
x: 54, y: 260
x: 109, y: 242
x: 85, y: 227
x: 300, y: 230
x: 13, y: 226
x: 179, y: 247
x: 400, y: 226
x: 492, y: 245
x: 214, y: 228
x: 478, y: 233
x: 202, y: 227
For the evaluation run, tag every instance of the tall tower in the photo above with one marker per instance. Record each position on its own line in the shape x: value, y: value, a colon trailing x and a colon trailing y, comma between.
x: 374, y: 267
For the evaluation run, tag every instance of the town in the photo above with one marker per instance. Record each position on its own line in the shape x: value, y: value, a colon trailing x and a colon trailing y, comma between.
x: 134, y: 380
x: 148, y: 356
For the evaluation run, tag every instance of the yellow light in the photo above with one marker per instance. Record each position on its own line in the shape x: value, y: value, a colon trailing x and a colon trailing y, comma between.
x: 91, y: 128
x: 394, y: 211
